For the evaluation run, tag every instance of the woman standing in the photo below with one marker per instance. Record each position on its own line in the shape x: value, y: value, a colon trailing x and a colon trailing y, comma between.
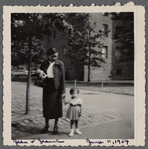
x: 53, y: 73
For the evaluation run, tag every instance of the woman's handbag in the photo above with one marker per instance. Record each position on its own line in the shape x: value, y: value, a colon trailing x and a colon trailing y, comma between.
x: 40, y: 83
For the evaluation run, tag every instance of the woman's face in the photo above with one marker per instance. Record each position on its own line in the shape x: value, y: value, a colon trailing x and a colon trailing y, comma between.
x: 53, y: 57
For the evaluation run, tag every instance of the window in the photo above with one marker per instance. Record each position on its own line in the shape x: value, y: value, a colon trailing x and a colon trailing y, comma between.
x: 54, y: 34
x: 64, y: 50
x: 104, y: 52
x: 105, y: 30
x: 118, y: 53
x: 118, y: 72
x: 119, y: 31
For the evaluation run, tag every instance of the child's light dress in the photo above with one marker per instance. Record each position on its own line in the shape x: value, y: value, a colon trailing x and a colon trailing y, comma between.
x: 74, y: 110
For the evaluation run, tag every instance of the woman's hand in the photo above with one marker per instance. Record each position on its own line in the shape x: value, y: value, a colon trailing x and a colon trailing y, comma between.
x: 65, y: 103
x: 63, y: 96
x: 42, y: 75
x: 64, y: 99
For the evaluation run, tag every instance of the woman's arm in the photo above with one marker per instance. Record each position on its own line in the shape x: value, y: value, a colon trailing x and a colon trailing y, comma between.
x: 62, y: 79
x: 41, y: 73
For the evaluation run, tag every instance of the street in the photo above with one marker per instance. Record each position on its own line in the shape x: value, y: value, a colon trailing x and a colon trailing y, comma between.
x: 104, y: 115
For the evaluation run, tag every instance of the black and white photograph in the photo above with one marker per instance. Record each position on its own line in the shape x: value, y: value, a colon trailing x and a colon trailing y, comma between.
x: 73, y: 76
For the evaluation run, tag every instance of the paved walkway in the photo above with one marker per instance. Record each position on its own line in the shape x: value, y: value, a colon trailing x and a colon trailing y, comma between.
x: 99, y: 108
x: 123, y: 90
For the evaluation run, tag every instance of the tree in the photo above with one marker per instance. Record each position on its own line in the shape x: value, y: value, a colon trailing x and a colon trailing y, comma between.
x: 126, y: 35
x: 84, y: 43
x: 27, y: 33
x: 25, y: 38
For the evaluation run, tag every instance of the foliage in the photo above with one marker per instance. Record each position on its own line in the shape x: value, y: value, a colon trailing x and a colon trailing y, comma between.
x: 126, y: 36
x: 27, y: 33
x: 30, y: 26
x: 83, y: 41
x: 25, y: 27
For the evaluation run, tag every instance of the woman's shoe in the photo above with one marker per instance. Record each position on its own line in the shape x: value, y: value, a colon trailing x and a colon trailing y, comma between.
x: 45, y: 129
x: 55, y: 130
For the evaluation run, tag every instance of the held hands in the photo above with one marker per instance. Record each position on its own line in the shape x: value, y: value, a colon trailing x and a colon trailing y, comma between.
x: 63, y: 96
x: 65, y: 103
x: 64, y: 99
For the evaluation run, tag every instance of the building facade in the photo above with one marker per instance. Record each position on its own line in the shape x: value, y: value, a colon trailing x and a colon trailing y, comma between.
x: 120, y: 70
x: 110, y: 70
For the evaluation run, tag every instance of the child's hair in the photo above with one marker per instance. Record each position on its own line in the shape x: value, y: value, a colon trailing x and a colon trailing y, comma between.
x: 72, y: 90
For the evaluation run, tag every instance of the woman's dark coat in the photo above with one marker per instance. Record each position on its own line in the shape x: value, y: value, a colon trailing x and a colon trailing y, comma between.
x: 52, y: 91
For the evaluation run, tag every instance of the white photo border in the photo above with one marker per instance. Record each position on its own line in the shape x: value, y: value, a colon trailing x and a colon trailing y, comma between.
x: 139, y: 68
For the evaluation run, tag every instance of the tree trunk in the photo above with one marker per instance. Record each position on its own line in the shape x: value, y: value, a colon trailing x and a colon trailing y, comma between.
x: 29, y: 78
x: 88, y: 80
x: 89, y: 63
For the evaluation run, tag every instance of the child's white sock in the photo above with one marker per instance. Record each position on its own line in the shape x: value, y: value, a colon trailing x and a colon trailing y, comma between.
x: 71, y: 133
x: 78, y: 131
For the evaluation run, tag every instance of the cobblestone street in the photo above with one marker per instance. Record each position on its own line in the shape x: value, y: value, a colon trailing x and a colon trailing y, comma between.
x: 96, y: 110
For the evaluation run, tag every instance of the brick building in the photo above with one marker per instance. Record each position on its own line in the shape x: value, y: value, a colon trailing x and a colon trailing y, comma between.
x: 122, y: 70
x: 109, y: 70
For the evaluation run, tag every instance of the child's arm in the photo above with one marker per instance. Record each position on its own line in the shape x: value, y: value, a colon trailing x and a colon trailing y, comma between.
x: 66, y: 101
x: 80, y: 114
x: 80, y: 104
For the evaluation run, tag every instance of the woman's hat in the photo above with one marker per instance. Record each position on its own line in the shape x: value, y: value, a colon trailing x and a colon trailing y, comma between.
x: 51, y: 51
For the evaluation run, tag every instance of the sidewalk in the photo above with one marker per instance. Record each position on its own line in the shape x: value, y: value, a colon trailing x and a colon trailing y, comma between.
x: 103, y: 81
x: 110, y: 130
x: 99, y: 109
x: 128, y: 90
x: 123, y: 87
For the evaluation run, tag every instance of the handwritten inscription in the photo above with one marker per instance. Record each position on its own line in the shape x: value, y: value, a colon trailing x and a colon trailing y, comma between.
x: 90, y: 142
x: 20, y: 142
x: 93, y: 142
x: 17, y: 142
x: 48, y: 141
x: 126, y: 142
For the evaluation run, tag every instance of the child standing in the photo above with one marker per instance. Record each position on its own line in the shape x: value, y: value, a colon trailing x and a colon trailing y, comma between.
x: 74, y: 110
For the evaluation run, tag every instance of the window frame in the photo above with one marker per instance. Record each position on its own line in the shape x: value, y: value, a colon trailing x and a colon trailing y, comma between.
x: 106, y: 52
x: 119, y: 31
x: 118, y: 53
x: 105, y: 27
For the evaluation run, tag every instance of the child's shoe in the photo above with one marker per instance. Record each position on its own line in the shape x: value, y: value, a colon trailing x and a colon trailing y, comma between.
x: 71, y: 133
x: 78, y: 132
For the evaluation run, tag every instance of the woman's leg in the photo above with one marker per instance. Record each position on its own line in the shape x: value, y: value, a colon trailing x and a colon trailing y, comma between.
x: 55, y: 129
x: 46, y: 122
x: 77, y: 127
x: 45, y: 129
x: 56, y: 122
x: 71, y: 127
